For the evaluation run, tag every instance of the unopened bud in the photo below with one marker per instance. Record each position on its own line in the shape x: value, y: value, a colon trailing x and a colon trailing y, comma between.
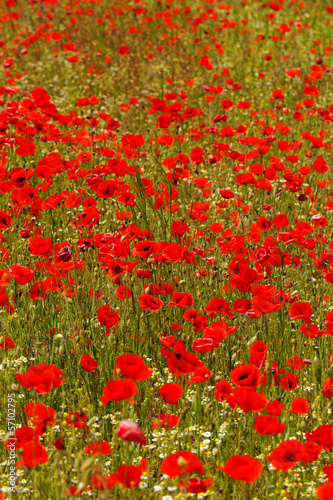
x: 87, y: 463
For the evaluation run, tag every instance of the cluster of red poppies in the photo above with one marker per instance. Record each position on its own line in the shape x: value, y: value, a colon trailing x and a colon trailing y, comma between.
x: 177, y: 240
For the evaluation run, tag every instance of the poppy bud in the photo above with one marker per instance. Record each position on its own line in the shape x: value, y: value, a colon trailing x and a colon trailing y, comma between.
x: 87, y: 463
x: 80, y: 486
x: 207, y: 408
x: 15, y: 388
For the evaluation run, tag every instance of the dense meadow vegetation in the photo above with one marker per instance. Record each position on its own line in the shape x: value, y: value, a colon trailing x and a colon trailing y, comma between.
x: 166, y: 249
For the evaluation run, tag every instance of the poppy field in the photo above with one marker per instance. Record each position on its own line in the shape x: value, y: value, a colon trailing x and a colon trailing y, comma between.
x: 166, y: 249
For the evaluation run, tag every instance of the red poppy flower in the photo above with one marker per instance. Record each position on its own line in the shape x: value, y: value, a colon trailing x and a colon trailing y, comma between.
x: 222, y: 390
x: 244, y: 278
x: 77, y: 419
x: 105, y: 483
x: 41, y: 377
x: 300, y: 406
x: 258, y: 353
x: 72, y: 201
x: 65, y: 254
x: 218, y: 332
x: 200, y: 375
x: 25, y: 148
x: 194, y: 485
x: 246, y: 376
x: 242, y: 468
x: 39, y: 246
x: 171, y: 393
x: 5, y: 220
x: 286, y: 455
x: 265, y: 300
x: 23, y: 435
x: 328, y: 470
x: 216, y: 227
x: 219, y: 306
x: 327, y: 387
x: 164, y: 420
x: 118, y: 390
x: 268, y: 425
x: 263, y: 224
x: 106, y: 189
x: 249, y: 400
x: 325, y: 491
x: 295, y: 363
x: 323, y: 436
x: 21, y: 274
x: 98, y: 449
x: 123, y: 292
x: 182, y: 299
x: 275, y: 407
x: 173, y: 253
x: 181, y: 463
x: 88, y: 363
x: 59, y: 443
x: 311, y: 452
x: 241, y: 305
x: 144, y: 248
x: 203, y: 345
x: 72, y: 491
x: 107, y: 317
x: 150, y: 302
x: 40, y: 415
x: 300, y: 310
x: 280, y: 220
x: 289, y: 382
x: 180, y: 361
x: 129, y: 475
x: 130, y: 431
x: 133, y: 367
x: 179, y: 228
x: 34, y: 454
x: 6, y: 342
x: 143, y: 273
